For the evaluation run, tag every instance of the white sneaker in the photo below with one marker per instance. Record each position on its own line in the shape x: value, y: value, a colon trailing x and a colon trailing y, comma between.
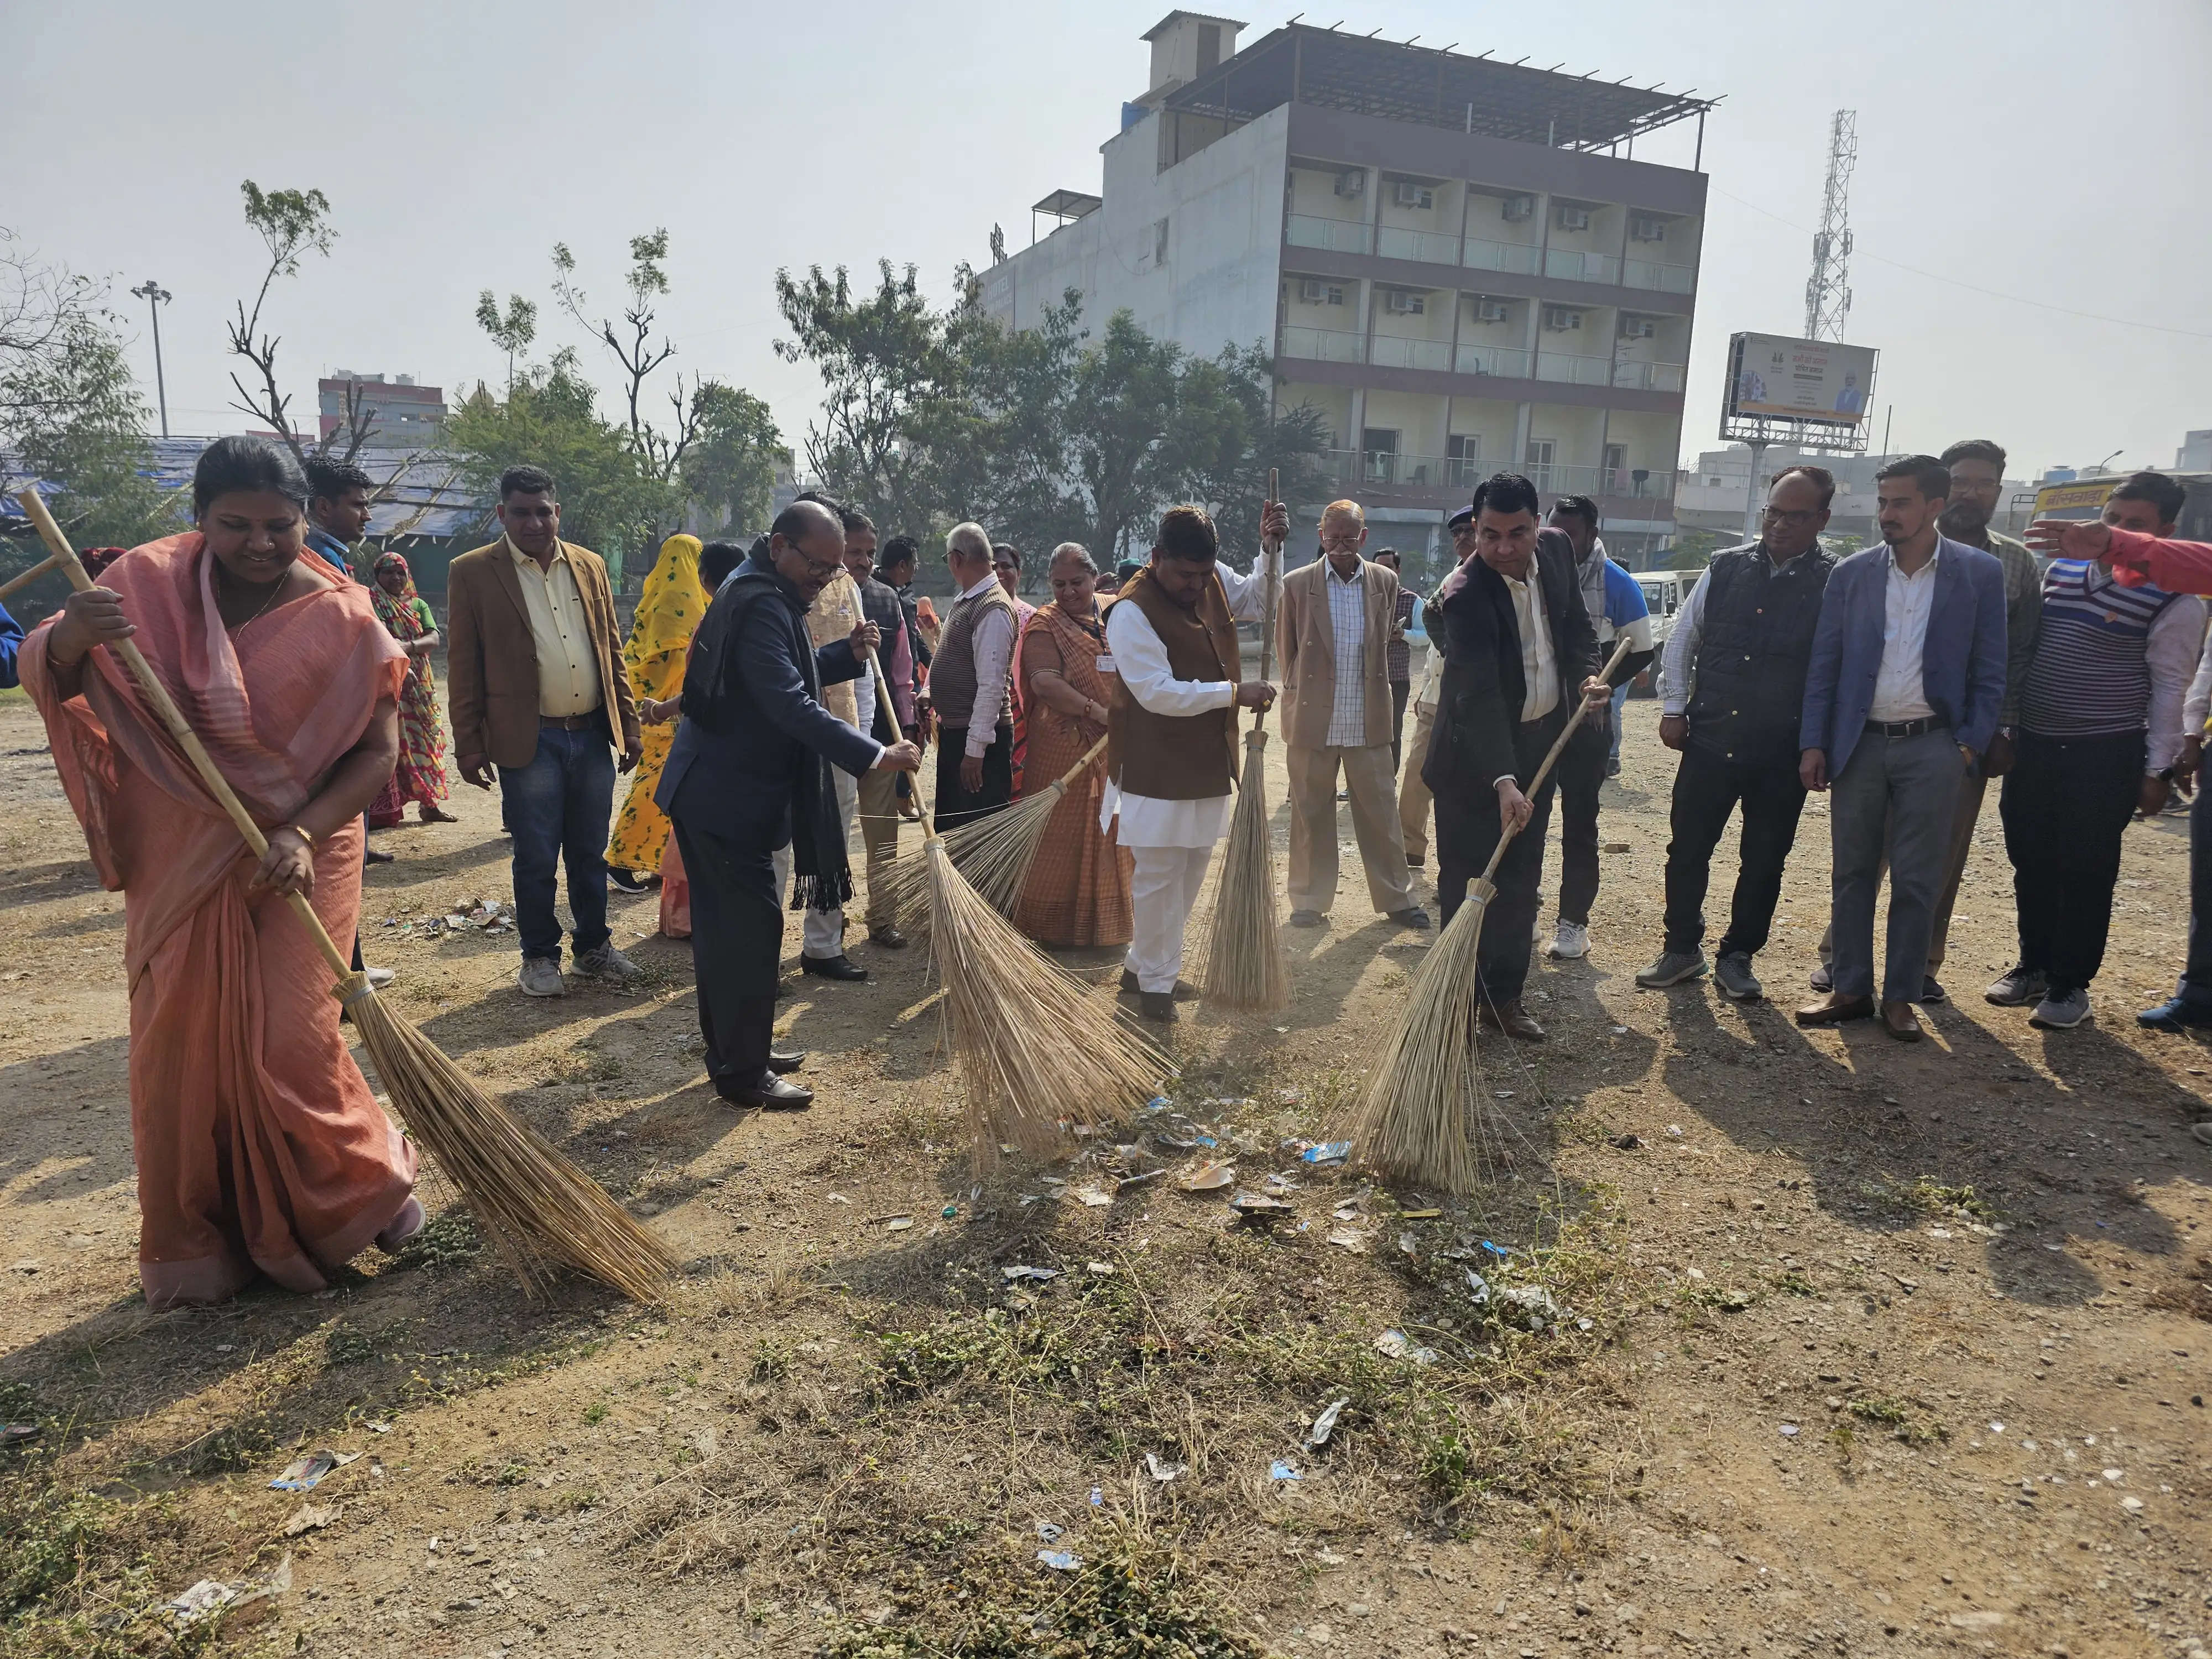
x: 380, y: 978
x: 540, y: 976
x: 1570, y: 942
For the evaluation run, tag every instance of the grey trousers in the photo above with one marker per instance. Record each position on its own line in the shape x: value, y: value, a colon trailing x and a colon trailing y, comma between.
x: 1909, y: 786
x: 1973, y: 788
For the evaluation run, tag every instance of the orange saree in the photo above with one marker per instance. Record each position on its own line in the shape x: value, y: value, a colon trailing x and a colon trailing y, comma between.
x: 258, y: 1145
x: 1078, y: 891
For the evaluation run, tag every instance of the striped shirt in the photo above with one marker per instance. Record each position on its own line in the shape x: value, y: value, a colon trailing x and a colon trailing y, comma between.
x: 2110, y: 660
x: 1347, y: 621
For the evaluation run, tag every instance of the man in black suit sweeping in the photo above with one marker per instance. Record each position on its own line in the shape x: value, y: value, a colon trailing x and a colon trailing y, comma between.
x: 750, y: 771
x: 1517, y: 645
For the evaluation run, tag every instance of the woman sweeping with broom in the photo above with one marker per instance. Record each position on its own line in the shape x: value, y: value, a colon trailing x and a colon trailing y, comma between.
x: 668, y: 608
x: 1078, y: 891
x: 259, y: 1147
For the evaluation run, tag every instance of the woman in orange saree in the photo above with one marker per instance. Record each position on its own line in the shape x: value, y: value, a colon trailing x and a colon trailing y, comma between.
x: 259, y: 1146
x: 1078, y: 891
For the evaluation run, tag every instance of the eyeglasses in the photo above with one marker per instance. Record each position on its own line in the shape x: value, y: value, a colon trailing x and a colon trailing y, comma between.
x: 824, y: 571
x: 1342, y: 543
x: 1796, y: 520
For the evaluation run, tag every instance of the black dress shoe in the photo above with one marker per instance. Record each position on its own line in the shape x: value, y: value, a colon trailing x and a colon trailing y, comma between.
x: 375, y: 855
x: 626, y: 881
x: 1157, y: 1006
x: 782, y: 1063
x: 771, y: 1094
x: 890, y: 937
x: 840, y: 966
x: 1184, y: 990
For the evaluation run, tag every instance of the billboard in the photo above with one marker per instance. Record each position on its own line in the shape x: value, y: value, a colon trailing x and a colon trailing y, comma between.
x: 1774, y: 378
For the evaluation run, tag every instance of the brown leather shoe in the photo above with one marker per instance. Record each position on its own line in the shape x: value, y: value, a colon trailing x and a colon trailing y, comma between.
x: 1836, y: 1009
x: 1511, y: 1018
x: 1901, y: 1021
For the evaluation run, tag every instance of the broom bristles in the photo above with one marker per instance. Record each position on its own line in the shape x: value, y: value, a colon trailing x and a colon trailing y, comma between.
x: 1033, y: 1053
x: 994, y: 853
x: 1412, y: 1120
x: 1246, y: 965
x: 537, y: 1209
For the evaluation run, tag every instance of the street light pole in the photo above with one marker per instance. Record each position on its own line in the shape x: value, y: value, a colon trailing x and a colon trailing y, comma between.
x: 155, y: 297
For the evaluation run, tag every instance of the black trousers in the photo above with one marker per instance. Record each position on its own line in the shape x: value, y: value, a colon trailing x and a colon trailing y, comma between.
x: 1709, y: 786
x: 2066, y: 807
x: 2195, y: 987
x: 1467, y: 827
x: 1581, y: 771
x: 736, y: 947
x: 956, y: 806
x: 1401, y: 693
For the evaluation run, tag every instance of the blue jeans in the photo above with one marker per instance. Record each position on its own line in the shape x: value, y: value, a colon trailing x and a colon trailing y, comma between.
x: 1620, y: 697
x: 558, y: 808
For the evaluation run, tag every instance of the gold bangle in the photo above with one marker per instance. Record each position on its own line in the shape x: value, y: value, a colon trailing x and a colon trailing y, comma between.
x: 302, y: 833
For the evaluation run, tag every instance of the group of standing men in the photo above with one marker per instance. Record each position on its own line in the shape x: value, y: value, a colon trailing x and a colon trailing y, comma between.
x: 1901, y: 679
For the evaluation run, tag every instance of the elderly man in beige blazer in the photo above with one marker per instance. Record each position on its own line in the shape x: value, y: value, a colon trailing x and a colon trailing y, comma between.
x: 1332, y: 635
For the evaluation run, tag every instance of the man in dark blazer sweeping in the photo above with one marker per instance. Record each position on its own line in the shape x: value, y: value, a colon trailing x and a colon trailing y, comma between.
x: 1518, y: 649
x: 750, y: 771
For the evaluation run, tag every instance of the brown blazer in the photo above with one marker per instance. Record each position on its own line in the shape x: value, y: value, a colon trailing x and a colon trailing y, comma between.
x: 1305, y: 640
x: 492, y: 659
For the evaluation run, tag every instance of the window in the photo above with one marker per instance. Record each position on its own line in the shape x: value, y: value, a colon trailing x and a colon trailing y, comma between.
x: 1380, y: 444
x: 1160, y: 243
x: 1463, y: 458
x: 1209, y: 47
x: 1615, y: 478
x: 1539, y: 461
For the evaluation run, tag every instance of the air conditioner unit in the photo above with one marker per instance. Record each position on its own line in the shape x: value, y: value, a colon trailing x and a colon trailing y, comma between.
x: 1559, y: 318
x: 1352, y: 181
x: 1513, y: 209
x: 1312, y: 290
x: 1490, y: 311
x: 1643, y: 227
x: 1638, y: 328
x: 1573, y: 218
x: 1406, y: 193
x: 1405, y: 304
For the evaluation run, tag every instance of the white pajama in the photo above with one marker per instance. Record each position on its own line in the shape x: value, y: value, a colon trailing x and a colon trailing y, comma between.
x: 822, y: 931
x: 1162, y: 889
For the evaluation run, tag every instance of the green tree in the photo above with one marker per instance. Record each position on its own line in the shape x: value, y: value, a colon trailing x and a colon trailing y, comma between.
x: 550, y: 418
x: 292, y: 224
x: 731, y: 467
x: 511, y: 333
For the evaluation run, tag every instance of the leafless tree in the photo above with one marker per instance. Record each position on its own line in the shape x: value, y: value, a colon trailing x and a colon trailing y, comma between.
x: 659, y: 454
x: 292, y: 223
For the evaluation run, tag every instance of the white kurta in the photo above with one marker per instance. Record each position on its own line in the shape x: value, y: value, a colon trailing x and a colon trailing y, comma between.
x: 1138, y: 656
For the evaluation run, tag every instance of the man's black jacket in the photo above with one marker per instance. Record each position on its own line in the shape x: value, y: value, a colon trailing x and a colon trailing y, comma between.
x: 1485, y: 686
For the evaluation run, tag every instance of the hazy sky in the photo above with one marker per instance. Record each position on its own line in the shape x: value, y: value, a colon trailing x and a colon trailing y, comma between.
x: 2045, y: 155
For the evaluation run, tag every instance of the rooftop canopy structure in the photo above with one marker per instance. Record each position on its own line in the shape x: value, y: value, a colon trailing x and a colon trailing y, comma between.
x: 1433, y: 87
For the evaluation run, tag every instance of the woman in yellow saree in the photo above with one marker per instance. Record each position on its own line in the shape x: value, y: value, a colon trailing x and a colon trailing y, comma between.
x: 668, y: 610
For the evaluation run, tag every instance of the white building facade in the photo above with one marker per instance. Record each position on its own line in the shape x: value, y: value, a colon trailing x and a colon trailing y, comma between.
x: 1447, y: 257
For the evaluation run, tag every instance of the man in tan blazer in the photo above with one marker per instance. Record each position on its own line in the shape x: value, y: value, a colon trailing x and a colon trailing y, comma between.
x: 537, y: 686
x: 1332, y: 635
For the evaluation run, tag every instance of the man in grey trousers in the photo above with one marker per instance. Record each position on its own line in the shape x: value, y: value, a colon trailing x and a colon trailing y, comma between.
x: 1903, y: 695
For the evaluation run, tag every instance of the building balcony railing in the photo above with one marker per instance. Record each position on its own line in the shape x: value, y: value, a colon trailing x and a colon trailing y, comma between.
x: 1393, y: 243
x: 1569, y: 265
x: 1649, y: 377
x: 1517, y: 257
x: 1493, y: 360
x: 1568, y: 370
x: 1323, y: 345
x: 1661, y: 278
x: 1617, y: 482
x: 1339, y: 235
x: 1351, y: 469
x: 1392, y: 351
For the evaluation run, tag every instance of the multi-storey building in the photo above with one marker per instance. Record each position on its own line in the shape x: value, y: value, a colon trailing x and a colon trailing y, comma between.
x: 402, y: 414
x: 1457, y: 261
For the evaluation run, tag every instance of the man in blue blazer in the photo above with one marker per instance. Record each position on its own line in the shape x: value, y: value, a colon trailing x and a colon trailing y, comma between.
x: 750, y: 771
x: 1903, y: 695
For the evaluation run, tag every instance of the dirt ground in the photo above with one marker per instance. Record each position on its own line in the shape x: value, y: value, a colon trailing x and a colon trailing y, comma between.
x: 1849, y: 1347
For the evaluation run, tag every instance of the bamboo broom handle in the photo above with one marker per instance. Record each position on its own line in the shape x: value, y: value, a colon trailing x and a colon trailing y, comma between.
x: 1558, y: 747
x: 52, y: 561
x: 149, y: 682
x: 883, y: 691
x: 1267, y: 557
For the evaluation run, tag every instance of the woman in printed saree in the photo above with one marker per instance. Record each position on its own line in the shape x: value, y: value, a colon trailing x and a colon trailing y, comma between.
x: 716, y: 561
x: 668, y: 609
x: 421, y: 775
x: 1078, y: 891
x: 259, y: 1147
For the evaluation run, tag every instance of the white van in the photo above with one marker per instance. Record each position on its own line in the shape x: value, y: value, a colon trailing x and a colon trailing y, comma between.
x: 1664, y: 591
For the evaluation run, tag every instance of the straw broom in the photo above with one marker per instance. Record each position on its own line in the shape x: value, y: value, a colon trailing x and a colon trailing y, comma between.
x: 1033, y: 1053
x: 1246, y: 966
x: 537, y: 1208
x: 52, y: 562
x: 993, y: 853
x: 1411, y: 1122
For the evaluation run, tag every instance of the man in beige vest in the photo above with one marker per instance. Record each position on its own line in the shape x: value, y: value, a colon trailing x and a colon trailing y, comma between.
x: 1333, y: 637
x: 1171, y: 734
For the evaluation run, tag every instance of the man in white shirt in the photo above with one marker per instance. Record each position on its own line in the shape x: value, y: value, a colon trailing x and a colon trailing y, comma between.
x: 1413, y: 789
x: 1333, y: 638
x: 971, y: 685
x: 1171, y: 732
x: 1903, y: 693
